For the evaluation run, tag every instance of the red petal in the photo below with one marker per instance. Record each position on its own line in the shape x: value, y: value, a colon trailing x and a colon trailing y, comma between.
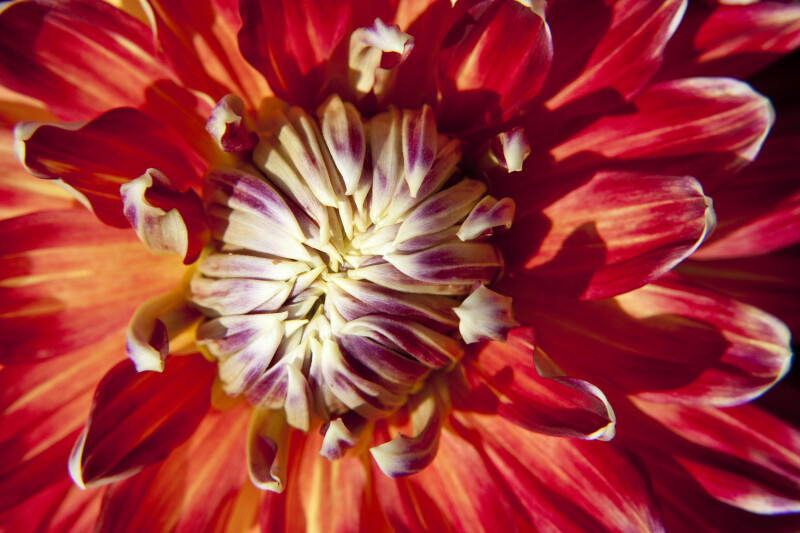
x: 457, y: 492
x: 768, y: 282
x: 323, y: 495
x: 733, y: 40
x: 19, y: 192
x: 43, y: 406
x: 290, y: 43
x: 69, y: 281
x: 759, y: 210
x: 741, y: 456
x: 202, y: 484
x: 116, y: 147
x: 504, y: 380
x: 617, y: 232
x: 667, y: 341
x: 562, y: 484
x: 62, y: 507
x: 705, y: 127
x: 200, y: 41
x: 79, y: 57
x: 493, y: 61
x: 626, y: 56
x: 138, y: 419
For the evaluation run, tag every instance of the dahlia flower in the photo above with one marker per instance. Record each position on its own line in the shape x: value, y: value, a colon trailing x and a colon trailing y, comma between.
x: 412, y: 265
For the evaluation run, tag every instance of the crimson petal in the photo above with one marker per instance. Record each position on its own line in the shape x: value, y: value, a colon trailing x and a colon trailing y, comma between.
x: 96, y: 157
x: 63, y: 52
x: 721, y: 126
x: 731, y: 40
x: 290, y: 43
x: 138, y: 419
x: 592, y: 249
x: 494, y: 59
x: 627, y: 55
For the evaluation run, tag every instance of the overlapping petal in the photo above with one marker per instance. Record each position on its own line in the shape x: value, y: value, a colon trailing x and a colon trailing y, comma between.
x: 503, y: 380
x: 96, y: 157
x: 290, y: 43
x: 630, y: 39
x: 63, y: 273
x: 732, y: 40
x: 200, y: 42
x: 63, y: 52
x: 668, y: 341
x: 722, y: 125
x: 563, y: 484
x: 582, y: 247
x: 741, y: 456
x: 43, y: 408
x: 495, y: 58
x: 137, y: 419
x: 177, y: 494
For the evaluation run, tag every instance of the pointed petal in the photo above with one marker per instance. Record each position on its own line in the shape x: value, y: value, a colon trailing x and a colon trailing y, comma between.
x: 732, y: 40
x: 722, y: 124
x: 404, y: 455
x: 485, y: 315
x: 494, y: 59
x: 643, y: 227
x: 344, y: 134
x: 741, y: 455
x: 668, y: 341
x: 137, y: 419
x: 582, y: 486
x: 63, y: 53
x: 626, y: 56
x: 291, y: 42
x: 65, y: 273
x: 98, y: 156
x: 522, y: 386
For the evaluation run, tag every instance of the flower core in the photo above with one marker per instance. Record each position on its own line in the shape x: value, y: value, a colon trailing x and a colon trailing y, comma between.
x: 348, y: 261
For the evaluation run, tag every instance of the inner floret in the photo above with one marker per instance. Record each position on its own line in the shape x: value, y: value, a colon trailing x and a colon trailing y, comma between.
x: 348, y: 264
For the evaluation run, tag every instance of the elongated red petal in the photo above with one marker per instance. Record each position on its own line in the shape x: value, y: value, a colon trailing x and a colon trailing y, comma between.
x: 741, y: 456
x: 63, y: 53
x: 731, y: 40
x: 505, y: 381
x: 494, y: 60
x: 98, y: 156
x: 768, y: 282
x: 668, y: 341
x: 203, y: 483
x: 613, y: 234
x: 428, y: 501
x: 68, y: 275
x: 43, y: 406
x: 706, y: 127
x: 759, y: 210
x: 564, y: 484
x: 291, y: 42
x: 624, y: 58
x: 200, y: 42
x: 138, y: 419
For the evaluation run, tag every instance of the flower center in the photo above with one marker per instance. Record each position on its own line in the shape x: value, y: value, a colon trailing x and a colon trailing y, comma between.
x: 348, y: 263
